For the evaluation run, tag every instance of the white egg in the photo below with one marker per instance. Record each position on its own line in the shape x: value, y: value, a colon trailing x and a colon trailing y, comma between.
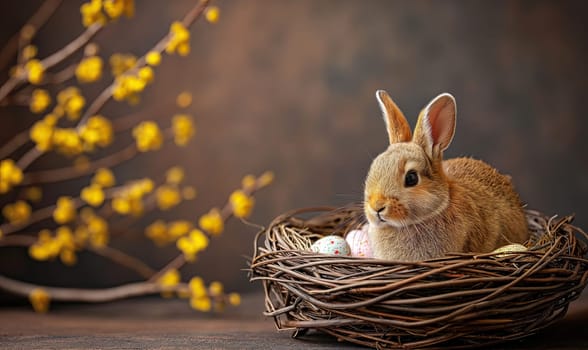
x: 332, y: 245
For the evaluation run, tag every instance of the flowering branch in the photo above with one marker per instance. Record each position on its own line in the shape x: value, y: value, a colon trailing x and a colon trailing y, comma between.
x: 111, y: 160
x: 226, y: 213
x: 110, y: 253
x: 82, y: 295
x: 106, y: 94
x: 52, y: 60
x: 88, y: 218
x: 73, y: 172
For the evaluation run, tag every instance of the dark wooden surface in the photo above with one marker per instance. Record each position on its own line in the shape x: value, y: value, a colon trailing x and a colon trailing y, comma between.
x: 154, y: 323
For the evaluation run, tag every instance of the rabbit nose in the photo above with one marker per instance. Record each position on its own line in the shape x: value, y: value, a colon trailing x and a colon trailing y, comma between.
x: 379, y: 211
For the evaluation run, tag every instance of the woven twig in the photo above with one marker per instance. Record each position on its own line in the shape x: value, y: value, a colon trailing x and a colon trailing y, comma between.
x: 460, y: 301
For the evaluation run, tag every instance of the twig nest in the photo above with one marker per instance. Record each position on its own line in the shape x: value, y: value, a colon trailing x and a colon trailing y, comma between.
x: 460, y: 301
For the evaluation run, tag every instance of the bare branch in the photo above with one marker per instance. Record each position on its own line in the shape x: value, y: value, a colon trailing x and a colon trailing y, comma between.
x: 83, y: 295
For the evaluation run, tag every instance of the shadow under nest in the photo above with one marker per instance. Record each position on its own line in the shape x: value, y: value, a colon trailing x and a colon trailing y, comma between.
x: 459, y: 301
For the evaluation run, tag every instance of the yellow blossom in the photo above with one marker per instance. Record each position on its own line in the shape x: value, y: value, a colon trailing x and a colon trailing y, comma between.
x: 179, y: 40
x: 51, y: 119
x: 138, y: 188
x: 157, y: 232
x: 130, y: 199
x: 116, y: 8
x: 153, y: 58
x: 174, y: 175
x: 64, y: 238
x: 104, y: 178
x: 197, y: 288
x: 120, y: 63
x: 199, y: 299
x: 128, y: 85
x: 17, y: 212
x: 34, y: 194
x: 93, y: 195
x: 178, y: 229
x: 92, y: 13
x: 46, y: 247
x: 266, y: 178
x: 248, y: 182
x: 96, y: 131
x: 68, y: 257
x: 148, y: 136
x: 167, y: 197
x: 184, y: 99
x: 146, y: 74
x: 97, y: 229
x: 168, y: 281
x: 67, y: 141
x: 242, y: 204
x: 89, y: 69
x: 63, y: 244
x: 35, y: 71
x: 40, y: 300
x: 212, y: 14
x: 29, y: 52
x: 212, y: 222
x: 234, y: 299
x: 40, y: 100
x: 146, y: 185
x: 81, y: 235
x: 10, y: 175
x: 41, y: 134
x: 122, y: 89
x: 72, y: 102
x: 188, y: 193
x: 125, y: 205
x: 183, y: 128
x: 201, y: 304
x: 65, y: 210
x: 215, y: 289
x: 162, y: 234
x: 192, y: 244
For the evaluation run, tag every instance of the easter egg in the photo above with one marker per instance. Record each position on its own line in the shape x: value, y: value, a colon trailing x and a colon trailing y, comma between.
x: 359, y: 243
x: 333, y: 245
x: 510, y: 248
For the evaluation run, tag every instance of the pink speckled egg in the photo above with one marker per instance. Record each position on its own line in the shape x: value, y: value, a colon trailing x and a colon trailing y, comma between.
x: 359, y: 243
x: 333, y: 245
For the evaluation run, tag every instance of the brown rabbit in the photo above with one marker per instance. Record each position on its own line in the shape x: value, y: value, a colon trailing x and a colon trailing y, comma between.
x: 420, y: 207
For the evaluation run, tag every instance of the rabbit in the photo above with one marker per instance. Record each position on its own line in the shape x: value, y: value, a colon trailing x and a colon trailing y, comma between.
x: 421, y: 207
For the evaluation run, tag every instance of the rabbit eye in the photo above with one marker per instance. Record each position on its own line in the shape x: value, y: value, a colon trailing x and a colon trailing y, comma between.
x: 411, y: 178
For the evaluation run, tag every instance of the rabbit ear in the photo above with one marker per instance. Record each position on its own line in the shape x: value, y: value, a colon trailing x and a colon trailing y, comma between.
x: 396, y: 124
x: 436, y: 124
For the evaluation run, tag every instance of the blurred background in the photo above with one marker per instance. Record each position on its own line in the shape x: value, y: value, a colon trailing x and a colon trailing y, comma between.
x: 289, y: 86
